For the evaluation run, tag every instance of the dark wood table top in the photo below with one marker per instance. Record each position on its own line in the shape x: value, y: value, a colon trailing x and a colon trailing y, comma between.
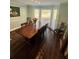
x: 28, y: 31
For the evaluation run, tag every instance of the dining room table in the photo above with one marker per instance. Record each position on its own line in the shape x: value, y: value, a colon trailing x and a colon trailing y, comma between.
x: 28, y: 31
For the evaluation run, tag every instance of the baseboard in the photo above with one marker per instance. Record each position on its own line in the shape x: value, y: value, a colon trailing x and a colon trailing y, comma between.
x: 15, y: 28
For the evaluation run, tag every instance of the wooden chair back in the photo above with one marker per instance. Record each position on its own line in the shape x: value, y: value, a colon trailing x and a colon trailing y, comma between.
x: 38, y: 37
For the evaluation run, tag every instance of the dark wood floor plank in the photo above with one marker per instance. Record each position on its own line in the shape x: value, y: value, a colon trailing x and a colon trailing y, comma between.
x: 49, y: 48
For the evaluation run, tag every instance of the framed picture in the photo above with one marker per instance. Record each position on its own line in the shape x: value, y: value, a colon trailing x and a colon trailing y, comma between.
x: 14, y: 11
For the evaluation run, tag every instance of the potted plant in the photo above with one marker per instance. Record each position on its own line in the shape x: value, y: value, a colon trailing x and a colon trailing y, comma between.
x: 34, y: 21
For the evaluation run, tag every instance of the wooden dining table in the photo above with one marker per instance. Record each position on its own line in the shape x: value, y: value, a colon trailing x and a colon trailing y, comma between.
x: 28, y: 31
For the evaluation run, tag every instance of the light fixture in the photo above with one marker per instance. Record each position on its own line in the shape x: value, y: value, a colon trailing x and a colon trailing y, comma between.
x: 36, y: 1
x: 32, y: 0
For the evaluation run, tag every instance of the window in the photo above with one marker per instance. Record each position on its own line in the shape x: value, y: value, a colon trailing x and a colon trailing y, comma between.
x: 36, y: 13
x: 54, y: 14
x: 45, y: 14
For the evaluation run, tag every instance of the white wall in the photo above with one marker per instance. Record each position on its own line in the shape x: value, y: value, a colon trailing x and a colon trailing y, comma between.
x: 63, y: 13
x: 15, y: 22
x: 30, y: 11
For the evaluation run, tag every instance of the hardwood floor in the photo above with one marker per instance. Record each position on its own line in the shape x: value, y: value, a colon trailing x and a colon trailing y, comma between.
x: 48, y: 49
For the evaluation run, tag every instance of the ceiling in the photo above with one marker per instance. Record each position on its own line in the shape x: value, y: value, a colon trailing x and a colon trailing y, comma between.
x: 37, y: 2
